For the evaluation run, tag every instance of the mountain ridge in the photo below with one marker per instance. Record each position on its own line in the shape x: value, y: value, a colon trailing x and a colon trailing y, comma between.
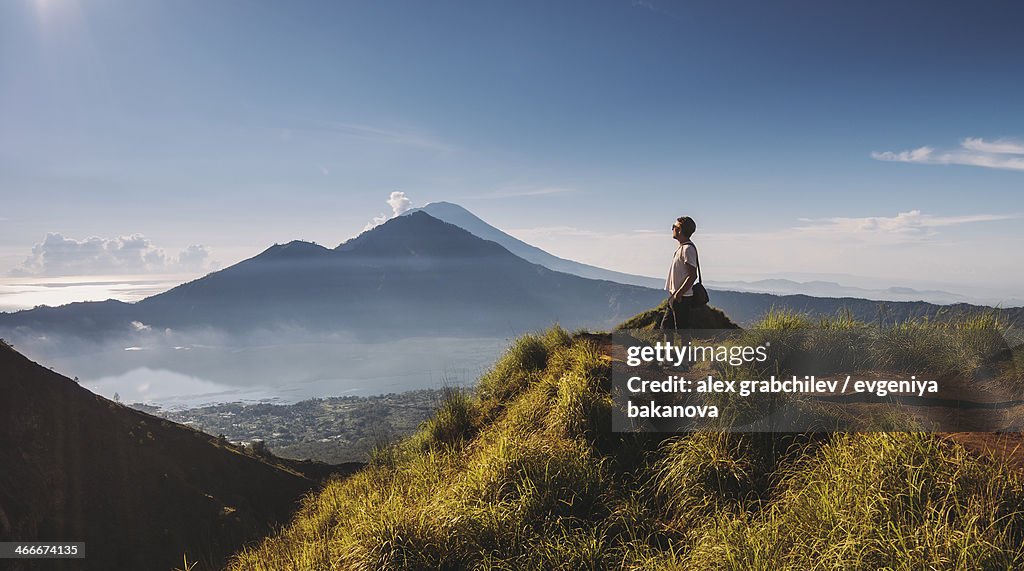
x: 412, y: 274
x: 459, y: 216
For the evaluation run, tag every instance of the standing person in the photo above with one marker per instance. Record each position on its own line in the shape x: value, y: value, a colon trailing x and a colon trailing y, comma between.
x: 681, y: 276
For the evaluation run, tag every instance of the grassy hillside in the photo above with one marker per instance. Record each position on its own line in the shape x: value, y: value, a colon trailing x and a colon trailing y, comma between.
x: 702, y: 317
x: 524, y: 473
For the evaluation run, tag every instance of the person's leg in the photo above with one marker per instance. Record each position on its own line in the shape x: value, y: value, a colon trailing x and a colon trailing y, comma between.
x: 668, y: 323
x: 683, y: 317
x: 684, y: 320
x: 668, y: 319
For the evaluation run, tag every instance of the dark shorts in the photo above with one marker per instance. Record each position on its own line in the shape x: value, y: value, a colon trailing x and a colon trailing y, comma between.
x: 677, y: 315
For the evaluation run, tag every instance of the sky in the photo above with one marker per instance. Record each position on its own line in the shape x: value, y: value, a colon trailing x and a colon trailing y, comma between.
x: 144, y: 143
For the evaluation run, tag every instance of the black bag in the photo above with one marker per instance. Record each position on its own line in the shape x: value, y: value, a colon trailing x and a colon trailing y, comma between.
x: 700, y: 293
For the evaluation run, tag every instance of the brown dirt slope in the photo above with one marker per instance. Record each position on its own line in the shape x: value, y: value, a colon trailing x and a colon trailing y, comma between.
x: 139, y: 490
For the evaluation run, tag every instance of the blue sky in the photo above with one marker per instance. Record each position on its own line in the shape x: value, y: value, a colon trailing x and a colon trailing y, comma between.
x: 877, y: 140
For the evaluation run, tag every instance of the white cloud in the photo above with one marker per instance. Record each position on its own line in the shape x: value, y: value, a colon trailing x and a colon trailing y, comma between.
x: 140, y: 326
x: 57, y: 255
x: 918, y: 155
x: 910, y: 224
x: 907, y: 247
x: 377, y: 221
x: 999, y: 154
x: 890, y: 249
x: 195, y: 257
x: 1004, y: 146
x: 399, y: 204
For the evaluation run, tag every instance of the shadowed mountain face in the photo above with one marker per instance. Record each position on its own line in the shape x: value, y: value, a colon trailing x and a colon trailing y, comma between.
x: 138, y: 490
x: 413, y: 275
x: 459, y: 216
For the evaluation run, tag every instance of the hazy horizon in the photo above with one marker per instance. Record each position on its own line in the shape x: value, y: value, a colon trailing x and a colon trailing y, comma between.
x: 20, y: 292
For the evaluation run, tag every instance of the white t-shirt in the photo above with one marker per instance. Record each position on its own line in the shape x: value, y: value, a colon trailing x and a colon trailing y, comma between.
x: 685, y: 254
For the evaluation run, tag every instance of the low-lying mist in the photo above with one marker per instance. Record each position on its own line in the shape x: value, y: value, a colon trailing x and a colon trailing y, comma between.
x: 188, y: 368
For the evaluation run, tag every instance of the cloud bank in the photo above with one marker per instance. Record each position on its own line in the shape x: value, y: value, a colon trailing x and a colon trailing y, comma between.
x: 57, y: 255
x: 910, y: 247
x: 1007, y: 154
x: 399, y: 204
x: 910, y: 224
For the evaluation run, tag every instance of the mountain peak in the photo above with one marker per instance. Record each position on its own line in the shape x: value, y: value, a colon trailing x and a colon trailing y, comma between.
x: 420, y: 234
x: 459, y: 216
x: 296, y: 249
x: 443, y: 207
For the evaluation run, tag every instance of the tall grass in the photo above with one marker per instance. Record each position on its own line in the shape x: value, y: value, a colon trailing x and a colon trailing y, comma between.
x: 521, y: 365
x: 455, y: 421
x: 967, y: 346
x: 525, y: 474
x: 879, y: 501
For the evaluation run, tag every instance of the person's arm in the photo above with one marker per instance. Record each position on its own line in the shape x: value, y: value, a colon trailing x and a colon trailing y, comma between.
x: 691, y: 277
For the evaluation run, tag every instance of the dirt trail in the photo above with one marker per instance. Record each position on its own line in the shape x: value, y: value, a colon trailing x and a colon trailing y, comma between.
x: 1009, y: 446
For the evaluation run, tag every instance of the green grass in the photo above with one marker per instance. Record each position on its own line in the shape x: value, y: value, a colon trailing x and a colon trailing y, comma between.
x: 878, y: 501
x: 524, y: 473
x: 968, y: 346
x: 456, y: 420
x: 704, y: 317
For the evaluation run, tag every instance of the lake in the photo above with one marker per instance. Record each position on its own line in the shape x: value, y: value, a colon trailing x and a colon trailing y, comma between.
x: 187, y: 375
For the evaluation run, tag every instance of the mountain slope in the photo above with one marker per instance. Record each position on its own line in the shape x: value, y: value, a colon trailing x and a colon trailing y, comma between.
x: 413, y: 275
x: 140, y: 491
x: 459, y: 216
x: 526, y: 474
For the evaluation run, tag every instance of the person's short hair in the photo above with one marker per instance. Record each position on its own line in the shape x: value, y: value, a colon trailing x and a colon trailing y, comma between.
x: 687, y: 225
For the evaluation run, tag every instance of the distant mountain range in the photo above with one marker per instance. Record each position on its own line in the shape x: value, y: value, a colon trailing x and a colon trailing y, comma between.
x: 746, y: 308
x: 413, y: 275
x: 820, y: 288
x: 419, y: 275
x: 140, y: 491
